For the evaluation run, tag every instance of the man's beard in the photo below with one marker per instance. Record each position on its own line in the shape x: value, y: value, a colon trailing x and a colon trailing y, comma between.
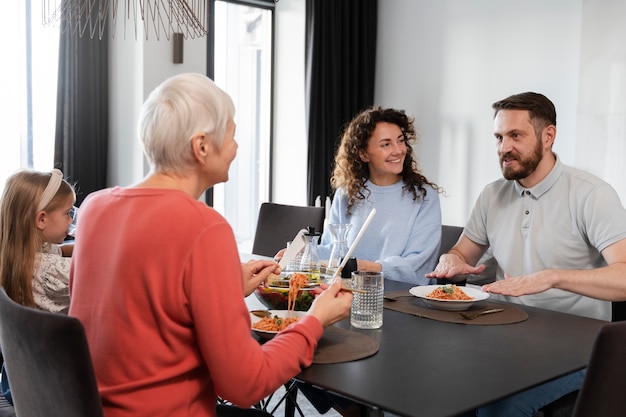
x: 527, y: 165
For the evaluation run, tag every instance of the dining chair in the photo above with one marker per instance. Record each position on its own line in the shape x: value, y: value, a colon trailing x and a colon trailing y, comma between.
x: 449, y: 236
x: 564, y: 406
x: 279, y: 223
x: 602, y: 392
x: 48, y: 362
x: 618, y: 311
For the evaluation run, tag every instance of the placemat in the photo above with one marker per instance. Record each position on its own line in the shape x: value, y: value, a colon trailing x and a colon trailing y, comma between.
x: 341, y: 345
x: 404, y: 302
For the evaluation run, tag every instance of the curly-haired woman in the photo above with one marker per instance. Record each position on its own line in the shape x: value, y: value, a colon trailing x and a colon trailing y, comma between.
x: 375, y: 168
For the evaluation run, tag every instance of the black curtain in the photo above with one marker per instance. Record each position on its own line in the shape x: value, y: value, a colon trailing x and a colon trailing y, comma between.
x: 82, y: 121
x: 340, y: 68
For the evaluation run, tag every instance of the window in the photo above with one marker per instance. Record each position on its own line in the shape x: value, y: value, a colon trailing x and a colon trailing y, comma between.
x: 28, y: 84
x: 242, y: 66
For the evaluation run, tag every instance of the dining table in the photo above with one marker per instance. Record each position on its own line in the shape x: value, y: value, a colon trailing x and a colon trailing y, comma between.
x: 428, y: 367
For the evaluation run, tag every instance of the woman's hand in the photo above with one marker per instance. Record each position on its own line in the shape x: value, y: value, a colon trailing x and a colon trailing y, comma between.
x: 255, y: 272
x: 332, y: 304
x: 279, y: 254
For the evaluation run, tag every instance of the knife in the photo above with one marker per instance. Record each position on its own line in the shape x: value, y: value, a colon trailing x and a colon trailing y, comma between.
x: 296, y: 246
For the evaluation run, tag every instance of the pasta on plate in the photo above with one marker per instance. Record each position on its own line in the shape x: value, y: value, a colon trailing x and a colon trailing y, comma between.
x: 449, y: 292
x: 449, y: 296
x: 277, y: 323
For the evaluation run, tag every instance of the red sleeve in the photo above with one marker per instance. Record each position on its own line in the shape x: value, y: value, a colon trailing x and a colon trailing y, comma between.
x: 242, y: 371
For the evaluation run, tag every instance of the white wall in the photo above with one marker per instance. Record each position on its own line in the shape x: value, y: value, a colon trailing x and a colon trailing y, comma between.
x: 460, y: 57
x: 126, y: 96
x: 601, y: 116
x: 136, y: 68
x: 444, y: 62
x: 464, y: 55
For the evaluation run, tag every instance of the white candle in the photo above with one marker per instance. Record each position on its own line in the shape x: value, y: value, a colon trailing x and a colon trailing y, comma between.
x: 356, y: 242
x: 327, y: 207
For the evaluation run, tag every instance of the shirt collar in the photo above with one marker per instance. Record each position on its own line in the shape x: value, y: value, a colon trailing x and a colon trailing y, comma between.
x: 547, y: 183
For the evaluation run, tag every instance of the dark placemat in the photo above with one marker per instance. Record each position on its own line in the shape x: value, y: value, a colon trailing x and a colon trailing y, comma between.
x: 341, y: 345
x: 404, y: 302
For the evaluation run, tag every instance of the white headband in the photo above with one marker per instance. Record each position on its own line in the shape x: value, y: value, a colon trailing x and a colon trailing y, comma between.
x: 56, y: 176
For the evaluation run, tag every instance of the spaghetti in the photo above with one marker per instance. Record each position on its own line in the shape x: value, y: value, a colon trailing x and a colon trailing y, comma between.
x: 277, y: 324
x: 449, y: 292
x: 296, y: 282
x: 274, y: 324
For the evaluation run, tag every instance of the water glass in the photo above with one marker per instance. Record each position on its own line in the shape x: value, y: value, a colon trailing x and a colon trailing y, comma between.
x: 367, y: 308
x: 74, y: 215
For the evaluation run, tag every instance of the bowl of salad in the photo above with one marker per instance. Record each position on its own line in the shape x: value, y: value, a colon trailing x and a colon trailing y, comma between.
x: 275, y: 295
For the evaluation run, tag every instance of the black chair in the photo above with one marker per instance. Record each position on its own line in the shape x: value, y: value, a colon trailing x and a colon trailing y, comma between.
x: 564, y: 406
x: 602, y: 392
x: 279, y: 223
x: 48, y: 362
x: 449, y: 236
x: 618, y: 310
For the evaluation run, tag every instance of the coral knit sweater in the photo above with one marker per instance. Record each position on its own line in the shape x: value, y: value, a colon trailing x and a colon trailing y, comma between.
x: 156, y: 281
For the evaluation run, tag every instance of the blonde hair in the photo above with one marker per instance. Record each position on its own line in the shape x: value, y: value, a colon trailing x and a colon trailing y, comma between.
x: 20, y: 240
x: 175, y: 111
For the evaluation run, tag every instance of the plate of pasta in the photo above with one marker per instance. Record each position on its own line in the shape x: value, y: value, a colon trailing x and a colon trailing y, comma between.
x: 276, y: 321
x: 449, y: 296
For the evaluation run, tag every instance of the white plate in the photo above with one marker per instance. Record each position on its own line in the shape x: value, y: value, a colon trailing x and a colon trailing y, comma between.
x: 266, y: 335
x: 452, y: 305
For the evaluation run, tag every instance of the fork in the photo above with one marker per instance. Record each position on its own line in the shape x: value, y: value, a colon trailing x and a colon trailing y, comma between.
x: 395, y: 297
x: 472, y: 316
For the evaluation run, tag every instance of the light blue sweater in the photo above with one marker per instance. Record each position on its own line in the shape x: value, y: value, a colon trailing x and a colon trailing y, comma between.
x: 404, y: 235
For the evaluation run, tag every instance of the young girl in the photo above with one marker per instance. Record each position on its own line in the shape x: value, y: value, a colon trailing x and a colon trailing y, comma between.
x: 35, y: 214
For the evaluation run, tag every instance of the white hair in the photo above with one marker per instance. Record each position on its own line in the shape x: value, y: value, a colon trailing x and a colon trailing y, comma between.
x: 175, y: 111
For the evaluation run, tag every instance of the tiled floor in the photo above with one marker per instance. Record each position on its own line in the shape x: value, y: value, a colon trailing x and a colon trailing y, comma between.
x: 6, y: 410
x: 307, y: 409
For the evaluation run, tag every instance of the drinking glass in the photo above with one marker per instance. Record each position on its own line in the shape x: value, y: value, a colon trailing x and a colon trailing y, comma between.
x: 74, y: 214
x: 339, y: 232
x: 367, y: 308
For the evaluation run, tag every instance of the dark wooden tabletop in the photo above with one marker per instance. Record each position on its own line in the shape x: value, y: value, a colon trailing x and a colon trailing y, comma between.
x: 431, y: 368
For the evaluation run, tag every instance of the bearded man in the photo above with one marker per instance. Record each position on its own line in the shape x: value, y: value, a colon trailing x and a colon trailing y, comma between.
x: 557, y: 233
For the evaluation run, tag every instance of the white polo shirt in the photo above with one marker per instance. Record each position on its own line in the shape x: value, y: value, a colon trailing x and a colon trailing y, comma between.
x: 564, y: 222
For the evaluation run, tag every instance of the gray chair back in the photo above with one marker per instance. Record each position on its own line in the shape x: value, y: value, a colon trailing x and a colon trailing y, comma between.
x: 279, y: 223
x: 449, y: 236
x: 48, y: 362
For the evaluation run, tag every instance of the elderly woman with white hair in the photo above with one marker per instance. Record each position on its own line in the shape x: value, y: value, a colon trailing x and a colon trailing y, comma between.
x: 157, y: 281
